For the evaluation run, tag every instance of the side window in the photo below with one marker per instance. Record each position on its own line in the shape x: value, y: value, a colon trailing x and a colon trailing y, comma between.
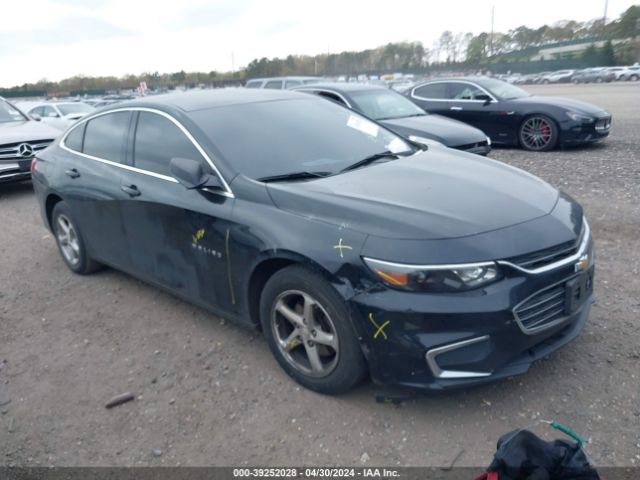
x: 436, y: 91
x: 463, y: 91
x: 157, y: 141
x: 274, y: 84
x: 50, y: 112
x: 292, y: 83
x: 75, y: 137
x: 36, y: 111
x: 104, y: 136
x: 253, y: 84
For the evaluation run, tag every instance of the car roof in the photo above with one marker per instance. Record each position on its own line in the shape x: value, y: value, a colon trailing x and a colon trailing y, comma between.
x: 205, y: 99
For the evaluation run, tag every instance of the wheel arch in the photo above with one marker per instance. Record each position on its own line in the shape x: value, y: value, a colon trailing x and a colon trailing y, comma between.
x: 267, y: 265
x: 50, y: 203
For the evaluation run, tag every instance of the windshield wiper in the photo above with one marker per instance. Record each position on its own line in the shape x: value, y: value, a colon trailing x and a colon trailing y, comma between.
x: 370, y: 159
x: 294, y: 176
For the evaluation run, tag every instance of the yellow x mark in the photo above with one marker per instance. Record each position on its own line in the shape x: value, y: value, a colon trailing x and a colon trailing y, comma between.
x: 380, y: 328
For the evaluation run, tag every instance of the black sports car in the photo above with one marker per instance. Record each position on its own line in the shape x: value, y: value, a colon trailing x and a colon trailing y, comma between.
x: 355, y: 252
x: 402, y: 116
x: 509, y: 115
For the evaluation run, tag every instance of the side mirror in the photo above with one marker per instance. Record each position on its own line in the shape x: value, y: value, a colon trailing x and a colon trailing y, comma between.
x: 483, y: 97
x: 191, y: 174
x: 35, y: 117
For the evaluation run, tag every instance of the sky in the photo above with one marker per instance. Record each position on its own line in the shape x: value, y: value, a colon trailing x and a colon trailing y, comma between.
x: 56, y: 39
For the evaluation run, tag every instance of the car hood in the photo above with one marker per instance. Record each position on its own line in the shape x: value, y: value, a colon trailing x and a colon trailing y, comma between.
x: 430, y: 195
x: 568, y: 103
x: 13, y: 132
x: 450, y: 132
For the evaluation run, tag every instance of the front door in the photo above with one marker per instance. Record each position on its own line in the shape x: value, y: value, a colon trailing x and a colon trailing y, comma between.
x: 178, y: 238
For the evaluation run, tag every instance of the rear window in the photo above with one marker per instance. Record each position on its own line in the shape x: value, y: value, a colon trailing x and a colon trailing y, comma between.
x: 104, y: 136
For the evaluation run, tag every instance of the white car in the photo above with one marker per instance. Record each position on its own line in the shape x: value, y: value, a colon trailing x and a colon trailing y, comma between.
x: 59, y: 115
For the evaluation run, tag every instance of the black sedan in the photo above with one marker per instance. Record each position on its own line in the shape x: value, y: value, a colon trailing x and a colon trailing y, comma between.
x: 402, y: 116
x: 510, y: 116
x: 354, y: 252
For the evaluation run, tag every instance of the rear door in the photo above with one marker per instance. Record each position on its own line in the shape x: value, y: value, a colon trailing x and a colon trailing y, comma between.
x: 178, y: 238
x: 91, y: 178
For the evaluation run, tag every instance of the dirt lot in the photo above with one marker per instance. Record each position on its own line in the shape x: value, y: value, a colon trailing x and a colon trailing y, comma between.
x: 209, y: 392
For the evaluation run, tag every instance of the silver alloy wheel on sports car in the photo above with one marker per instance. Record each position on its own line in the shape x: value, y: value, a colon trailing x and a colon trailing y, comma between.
x: 536, y: 133
x: 305, y: 333
x: 68, y: 239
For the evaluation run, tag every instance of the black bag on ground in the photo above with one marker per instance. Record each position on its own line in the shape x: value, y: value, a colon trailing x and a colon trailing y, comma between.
x: 522, y: 455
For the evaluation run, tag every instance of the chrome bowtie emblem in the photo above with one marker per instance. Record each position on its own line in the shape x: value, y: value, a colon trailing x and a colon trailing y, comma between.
x: 583, y: 263
x: 25, y: 150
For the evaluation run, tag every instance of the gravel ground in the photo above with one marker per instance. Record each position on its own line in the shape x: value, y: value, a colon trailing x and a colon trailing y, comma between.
x: 209, y: 392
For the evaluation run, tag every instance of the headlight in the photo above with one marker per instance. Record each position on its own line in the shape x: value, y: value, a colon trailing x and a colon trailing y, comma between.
x: 435, y: 278
x: 426, y: 141
x: 579, y: 117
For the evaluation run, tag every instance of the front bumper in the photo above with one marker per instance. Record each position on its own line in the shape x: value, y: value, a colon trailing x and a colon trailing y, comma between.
x: 576, y: 133
x: 444, y: 341
x: 13, y: 171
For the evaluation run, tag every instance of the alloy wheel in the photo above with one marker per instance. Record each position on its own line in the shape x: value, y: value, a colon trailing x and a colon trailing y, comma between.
x: 68, y: 239
x: 305, y: 333
x: 536, y: 133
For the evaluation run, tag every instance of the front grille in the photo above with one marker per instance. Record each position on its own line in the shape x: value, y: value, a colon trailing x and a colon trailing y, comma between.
x: 543, y: 308
x: 547, y: 256
x: 10, y: 151
x: 603, y: 124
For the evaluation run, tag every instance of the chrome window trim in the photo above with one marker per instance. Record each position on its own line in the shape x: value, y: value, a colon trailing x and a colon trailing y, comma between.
x: 430, y: 267
x: 325, y: 90
x: 438, y: 372
x: 413, y: 95
x: 227, y: 192
x: 584, y: 245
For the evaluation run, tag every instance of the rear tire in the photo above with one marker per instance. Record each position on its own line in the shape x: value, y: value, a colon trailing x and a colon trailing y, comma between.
x: 307, y: 326
x: 70, y: 241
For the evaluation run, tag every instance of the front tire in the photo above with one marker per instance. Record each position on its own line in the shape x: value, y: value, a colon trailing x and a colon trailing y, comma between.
x: 538, y: 133
x: 308, y: 329
x: 70, y: 241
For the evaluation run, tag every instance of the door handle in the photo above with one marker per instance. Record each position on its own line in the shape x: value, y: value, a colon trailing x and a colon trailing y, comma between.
x: 456, y: 108
x: 73, y: 173
x: 131, y: 190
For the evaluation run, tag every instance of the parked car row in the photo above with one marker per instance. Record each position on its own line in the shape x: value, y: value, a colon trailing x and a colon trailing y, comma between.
x: 481, y: 111
x: 358, y: 253
x: 595, y: 74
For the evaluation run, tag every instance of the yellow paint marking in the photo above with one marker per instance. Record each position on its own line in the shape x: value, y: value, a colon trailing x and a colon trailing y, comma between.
x: 380, y: 328
x: 198, y: 236
x: 341, y: 246
x: 229, y: 274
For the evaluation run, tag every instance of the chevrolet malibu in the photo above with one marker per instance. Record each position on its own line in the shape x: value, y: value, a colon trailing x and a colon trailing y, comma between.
x: 355, y: 252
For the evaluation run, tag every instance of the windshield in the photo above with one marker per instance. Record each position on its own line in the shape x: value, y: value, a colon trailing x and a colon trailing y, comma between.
x: 383, y: 104
x: 76, y: 107
x: 8, y: 113
x: 503, y: 90
x: 300, y: 135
